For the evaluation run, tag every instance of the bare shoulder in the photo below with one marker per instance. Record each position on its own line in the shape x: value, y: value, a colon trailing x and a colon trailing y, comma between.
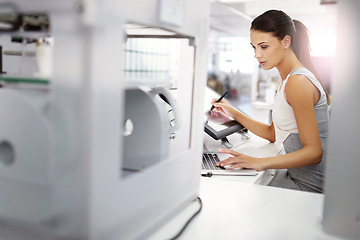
x: 300, y: 88
x: 298, y: 81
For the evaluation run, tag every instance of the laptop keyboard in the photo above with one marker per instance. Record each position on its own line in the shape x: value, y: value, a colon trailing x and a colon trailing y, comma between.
x: 209, y: 161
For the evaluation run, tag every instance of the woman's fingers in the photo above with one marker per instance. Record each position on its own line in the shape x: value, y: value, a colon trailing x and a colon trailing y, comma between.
x: 242, y: 161
x: 213, y: 101
x: 231, y: 152
x: 229, y: 161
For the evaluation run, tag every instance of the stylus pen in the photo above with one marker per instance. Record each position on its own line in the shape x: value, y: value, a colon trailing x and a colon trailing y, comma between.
x: 222, y: 96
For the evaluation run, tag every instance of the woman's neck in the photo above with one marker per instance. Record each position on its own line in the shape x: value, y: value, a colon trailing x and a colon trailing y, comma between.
x: 289, y: 63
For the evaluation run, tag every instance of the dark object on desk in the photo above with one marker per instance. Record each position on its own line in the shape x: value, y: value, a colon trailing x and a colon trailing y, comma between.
x: 208, y: 174
x: 228, y: 129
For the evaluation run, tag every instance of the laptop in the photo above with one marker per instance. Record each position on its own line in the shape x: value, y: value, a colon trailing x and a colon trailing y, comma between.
x: 209, y: 167
x: 211, y: 156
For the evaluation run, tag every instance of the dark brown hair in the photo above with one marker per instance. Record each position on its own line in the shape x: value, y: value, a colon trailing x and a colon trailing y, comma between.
x: 280, y: 24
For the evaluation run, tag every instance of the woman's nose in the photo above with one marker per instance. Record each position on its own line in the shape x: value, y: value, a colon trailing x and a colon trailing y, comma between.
x: 257, y: 54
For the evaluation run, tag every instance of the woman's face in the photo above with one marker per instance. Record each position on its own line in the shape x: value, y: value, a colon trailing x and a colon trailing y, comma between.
x: 269, y: 50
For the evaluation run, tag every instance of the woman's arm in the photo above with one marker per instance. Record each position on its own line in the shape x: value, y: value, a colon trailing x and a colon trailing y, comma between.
x: 261, y: 129
x: 302, y: 95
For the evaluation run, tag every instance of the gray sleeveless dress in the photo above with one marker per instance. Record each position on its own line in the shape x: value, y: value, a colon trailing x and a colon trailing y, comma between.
x: 309, y: 178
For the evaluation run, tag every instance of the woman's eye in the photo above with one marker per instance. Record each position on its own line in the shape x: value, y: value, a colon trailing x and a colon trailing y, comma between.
x: 264, y: 47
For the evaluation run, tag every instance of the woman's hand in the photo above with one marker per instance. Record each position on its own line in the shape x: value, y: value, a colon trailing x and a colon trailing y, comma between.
x: 242, y: 161
x: 217, y: 117
x: 224, y: 107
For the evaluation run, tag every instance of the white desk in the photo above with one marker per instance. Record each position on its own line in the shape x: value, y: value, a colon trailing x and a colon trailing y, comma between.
x: 233, y: 210
x: 236, y: 208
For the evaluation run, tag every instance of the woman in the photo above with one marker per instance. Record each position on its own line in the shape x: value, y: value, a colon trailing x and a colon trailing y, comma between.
x: 300, y: 111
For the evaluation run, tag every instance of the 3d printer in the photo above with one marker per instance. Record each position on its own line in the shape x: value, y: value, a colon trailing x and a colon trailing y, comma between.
x: 74, y: 141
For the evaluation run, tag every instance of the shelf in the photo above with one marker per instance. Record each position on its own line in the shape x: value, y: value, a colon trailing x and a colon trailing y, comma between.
x: 32, y: 80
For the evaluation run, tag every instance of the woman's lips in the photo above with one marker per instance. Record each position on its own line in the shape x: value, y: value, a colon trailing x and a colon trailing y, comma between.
x: 262, y: 63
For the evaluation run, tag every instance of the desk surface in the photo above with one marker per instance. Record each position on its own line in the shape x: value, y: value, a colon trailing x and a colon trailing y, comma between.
x: 233, y: 210
x: 236, y: 208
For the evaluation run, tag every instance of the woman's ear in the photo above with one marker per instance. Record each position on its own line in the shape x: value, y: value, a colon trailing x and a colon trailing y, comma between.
x: 286, y: 41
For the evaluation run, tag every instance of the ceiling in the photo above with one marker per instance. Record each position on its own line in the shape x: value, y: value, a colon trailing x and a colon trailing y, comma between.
x: 233, y: 17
